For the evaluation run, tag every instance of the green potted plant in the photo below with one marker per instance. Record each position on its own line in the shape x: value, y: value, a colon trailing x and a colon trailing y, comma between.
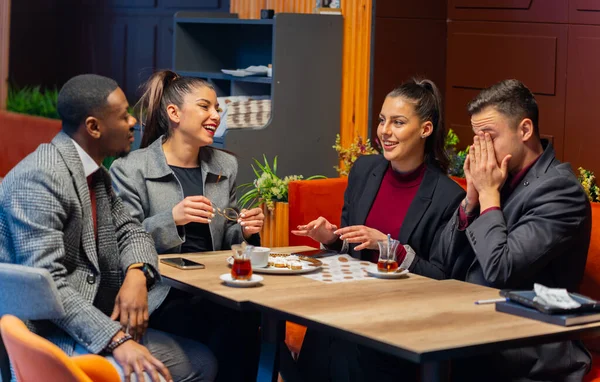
x: 457, y: 158
x: 268, y: 187
x: 271, y: 192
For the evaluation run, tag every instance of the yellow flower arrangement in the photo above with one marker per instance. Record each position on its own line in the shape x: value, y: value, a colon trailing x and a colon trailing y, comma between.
x: 348, y: 155
x: 588, y: 181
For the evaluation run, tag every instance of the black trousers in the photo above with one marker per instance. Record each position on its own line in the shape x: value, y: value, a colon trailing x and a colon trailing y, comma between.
x: 231, y: 335
x: 324, y: 358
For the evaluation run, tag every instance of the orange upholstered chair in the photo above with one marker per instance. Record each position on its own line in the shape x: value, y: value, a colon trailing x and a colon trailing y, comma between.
x: 36, y: 359
x: 309, y: 199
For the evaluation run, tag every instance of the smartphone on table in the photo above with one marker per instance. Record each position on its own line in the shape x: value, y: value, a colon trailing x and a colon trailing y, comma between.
x: 182, y: 263
x: 316, y: 253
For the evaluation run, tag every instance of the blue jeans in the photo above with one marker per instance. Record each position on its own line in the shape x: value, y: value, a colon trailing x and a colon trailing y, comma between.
x: 186, y: 360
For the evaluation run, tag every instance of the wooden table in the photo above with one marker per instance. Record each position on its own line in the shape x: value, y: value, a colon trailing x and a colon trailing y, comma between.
x: 418, y: 319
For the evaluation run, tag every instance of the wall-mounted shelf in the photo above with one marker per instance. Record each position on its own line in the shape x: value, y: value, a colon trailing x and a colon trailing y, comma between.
x: 223, y: 76
x: 305, y: 51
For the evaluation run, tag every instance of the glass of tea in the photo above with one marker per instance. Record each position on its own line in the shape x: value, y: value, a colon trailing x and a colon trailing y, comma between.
x: 387, y: 256
x: 241, y: 269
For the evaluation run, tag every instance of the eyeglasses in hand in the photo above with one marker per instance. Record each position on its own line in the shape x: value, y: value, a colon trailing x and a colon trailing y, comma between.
x: 228, y: 213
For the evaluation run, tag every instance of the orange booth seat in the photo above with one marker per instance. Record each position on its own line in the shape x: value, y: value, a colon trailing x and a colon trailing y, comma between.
x: 590, y: 286
x: 21, y: 135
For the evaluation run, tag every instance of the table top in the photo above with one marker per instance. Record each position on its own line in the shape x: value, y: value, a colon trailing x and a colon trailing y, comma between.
x: 417, y: 318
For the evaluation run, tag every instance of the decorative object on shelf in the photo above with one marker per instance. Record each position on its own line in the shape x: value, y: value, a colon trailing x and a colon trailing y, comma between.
x: 267, y: 14
x: 271, y: 193
x: 348, y: 155
x: 254, y: 70
x: 457, y: 158
x: 331, y: 7
x: 248, y: 114
x: 588, y: 181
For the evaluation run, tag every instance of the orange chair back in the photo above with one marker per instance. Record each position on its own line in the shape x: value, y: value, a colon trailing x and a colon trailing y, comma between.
x: 461, y: 182
x: 309, y: 199
x: 590, y: 285
x: 36, y: 359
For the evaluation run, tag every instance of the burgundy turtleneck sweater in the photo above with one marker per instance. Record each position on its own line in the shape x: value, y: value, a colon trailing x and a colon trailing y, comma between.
x: 395, y: 195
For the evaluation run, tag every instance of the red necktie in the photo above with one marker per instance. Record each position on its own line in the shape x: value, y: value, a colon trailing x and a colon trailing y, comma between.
x: 93, y: 200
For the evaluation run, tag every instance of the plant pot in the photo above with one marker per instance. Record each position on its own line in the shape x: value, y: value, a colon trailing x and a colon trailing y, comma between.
x: 21, y: 135
x: 276, y: 226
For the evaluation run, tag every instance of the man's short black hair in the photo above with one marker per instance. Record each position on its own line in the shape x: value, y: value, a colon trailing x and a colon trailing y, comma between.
x: 81, y: 97
x: 510, y: 98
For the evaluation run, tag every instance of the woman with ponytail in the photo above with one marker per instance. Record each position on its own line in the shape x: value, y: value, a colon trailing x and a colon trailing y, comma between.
x: 406, y: 193
x: 176, y: 185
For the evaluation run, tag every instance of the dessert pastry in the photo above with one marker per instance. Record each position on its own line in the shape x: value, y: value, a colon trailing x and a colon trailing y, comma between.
x: 271, y: 261
x: 280, y: 263
x: 295, y: 265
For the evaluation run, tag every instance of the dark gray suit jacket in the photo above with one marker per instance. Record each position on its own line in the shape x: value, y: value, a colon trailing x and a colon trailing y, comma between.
x: 436, y: 200
x: 45, y: 222
x: 541, y: 235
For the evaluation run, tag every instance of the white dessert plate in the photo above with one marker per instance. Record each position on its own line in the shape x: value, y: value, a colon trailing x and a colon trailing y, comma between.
x: 308, y: 265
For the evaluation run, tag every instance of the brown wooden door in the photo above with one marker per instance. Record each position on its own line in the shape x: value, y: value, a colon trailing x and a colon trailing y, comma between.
x: 481, y: 54
x: 582, y: 130
x: 584, y: 12
x: 549, y: 11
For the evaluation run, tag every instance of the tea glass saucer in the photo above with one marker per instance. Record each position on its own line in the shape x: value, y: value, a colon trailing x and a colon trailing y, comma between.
x: 228, y: 280
x: 372, y: 271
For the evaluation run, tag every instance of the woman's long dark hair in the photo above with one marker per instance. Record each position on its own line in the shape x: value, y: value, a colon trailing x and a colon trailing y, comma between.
x: 428, y: 105
x: 162, y: 88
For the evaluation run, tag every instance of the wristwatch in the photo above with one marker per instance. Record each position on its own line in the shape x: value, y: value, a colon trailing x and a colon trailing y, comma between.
x: 148, y: 273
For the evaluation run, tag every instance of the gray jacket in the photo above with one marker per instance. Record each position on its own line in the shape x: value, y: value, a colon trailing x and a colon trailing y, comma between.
x: 45, y: 221
x: 541, y: 235
x: 150, y: 190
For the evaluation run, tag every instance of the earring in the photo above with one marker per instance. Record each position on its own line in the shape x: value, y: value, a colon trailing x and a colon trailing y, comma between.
x: 422, y: 137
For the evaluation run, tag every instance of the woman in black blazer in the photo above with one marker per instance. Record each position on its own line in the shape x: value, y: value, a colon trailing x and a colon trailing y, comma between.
x: 406, y: 193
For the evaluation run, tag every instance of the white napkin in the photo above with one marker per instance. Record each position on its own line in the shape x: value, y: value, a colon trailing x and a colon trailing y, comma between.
x: 554, y: 297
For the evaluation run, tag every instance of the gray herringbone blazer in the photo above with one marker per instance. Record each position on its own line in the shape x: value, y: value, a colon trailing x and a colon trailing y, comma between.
x: 150, y: 190
x: 45, y: 221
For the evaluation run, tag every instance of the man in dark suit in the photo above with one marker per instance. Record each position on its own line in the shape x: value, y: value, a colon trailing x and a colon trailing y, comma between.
x: 58, y: 211
x: 527, y: 220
